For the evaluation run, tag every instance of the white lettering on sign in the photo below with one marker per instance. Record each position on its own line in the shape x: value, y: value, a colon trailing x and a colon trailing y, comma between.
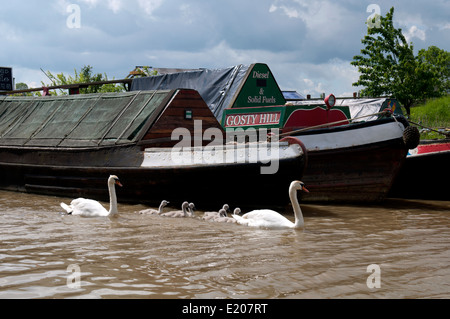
x: 257, y: 75
x: 234, y: 120
x: 269, y: 100
x: 261, y: 99
x: 254, y: 99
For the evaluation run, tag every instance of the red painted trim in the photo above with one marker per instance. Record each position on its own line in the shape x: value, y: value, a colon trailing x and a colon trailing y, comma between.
x: 435, y: 147
x: 316, y: 116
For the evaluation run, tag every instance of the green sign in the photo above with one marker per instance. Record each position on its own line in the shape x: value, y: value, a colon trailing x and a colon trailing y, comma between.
x: 259, y: 89
x: 258, y: 117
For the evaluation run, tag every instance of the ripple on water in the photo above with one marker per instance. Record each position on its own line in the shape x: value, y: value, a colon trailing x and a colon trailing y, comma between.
x: 140, y: 256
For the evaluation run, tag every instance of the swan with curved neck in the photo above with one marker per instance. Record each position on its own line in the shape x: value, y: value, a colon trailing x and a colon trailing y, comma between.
x: 191, y: 210
x: 152, y: 211
x: 223, y: 217
x: 178, y: 213
x: 212, y: 215
x: 266, y: 218
x: 92, y: 208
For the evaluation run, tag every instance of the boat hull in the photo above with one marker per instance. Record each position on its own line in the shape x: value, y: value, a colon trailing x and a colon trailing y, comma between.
x: 358, y: 174
x: 356, y: 163
x: 424, y: 173
x: 71, y: 174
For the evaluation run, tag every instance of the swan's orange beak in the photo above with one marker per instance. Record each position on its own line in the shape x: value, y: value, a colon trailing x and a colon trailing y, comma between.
x: 305, y: 189
x: 119, y: 183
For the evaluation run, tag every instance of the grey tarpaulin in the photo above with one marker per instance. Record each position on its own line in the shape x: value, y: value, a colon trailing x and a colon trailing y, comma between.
x: 366, y: 106
x: 217, y: 87
x: 360, y: 107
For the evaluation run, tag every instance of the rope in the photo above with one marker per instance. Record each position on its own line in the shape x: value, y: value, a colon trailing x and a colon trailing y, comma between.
x: 428, y: 128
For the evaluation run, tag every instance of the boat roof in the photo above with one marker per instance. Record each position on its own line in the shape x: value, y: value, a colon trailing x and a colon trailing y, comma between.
x: 236, y: 86
x: 84, y: 120
x: 216, y: 86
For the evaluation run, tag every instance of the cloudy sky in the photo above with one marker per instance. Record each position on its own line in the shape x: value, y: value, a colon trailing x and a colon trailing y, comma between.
x: 308, y: 44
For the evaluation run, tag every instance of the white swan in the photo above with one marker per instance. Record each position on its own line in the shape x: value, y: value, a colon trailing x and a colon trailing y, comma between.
x: 191, y: 209
x: 266, y: 218
x: 178, y: 213
x: 212, y: 215
x: 92, y: 208
x: 151, y: 211
x: 223, y: 217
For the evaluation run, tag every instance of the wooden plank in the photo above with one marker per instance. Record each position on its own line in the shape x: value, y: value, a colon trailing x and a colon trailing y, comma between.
x: 355, y: 174
x: 173, y: 117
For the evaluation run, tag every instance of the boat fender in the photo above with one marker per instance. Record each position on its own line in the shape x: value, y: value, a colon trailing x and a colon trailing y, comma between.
x: 411, y: 137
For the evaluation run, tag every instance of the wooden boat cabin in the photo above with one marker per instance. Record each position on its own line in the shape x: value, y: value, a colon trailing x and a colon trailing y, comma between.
x: 98, y: 120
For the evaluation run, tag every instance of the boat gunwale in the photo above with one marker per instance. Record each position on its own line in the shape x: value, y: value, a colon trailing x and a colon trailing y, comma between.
x: 347, y: 127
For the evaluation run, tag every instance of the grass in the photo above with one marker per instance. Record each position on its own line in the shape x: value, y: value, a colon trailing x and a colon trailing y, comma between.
x: 434, y: 114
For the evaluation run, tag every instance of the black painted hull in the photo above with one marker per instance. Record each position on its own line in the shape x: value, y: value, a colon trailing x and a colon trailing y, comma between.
x: 84, y: 173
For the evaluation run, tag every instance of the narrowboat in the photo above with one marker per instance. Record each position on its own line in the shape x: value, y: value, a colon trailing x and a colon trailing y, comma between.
x: 162, y: 144
x: 425, y: 172
x: 350, y: 158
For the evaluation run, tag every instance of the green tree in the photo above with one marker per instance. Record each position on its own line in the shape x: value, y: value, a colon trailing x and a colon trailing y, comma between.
x: 142, y: 71
x: 438, y: 63
x: 85, y: 76
x: 388, y: 66
x: 22, y: 86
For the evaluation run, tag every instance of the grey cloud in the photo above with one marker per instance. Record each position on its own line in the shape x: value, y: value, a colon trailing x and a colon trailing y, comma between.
x: 291, y: 36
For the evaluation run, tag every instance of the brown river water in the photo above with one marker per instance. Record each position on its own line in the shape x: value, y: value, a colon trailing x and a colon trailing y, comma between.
x: 396, y: 249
